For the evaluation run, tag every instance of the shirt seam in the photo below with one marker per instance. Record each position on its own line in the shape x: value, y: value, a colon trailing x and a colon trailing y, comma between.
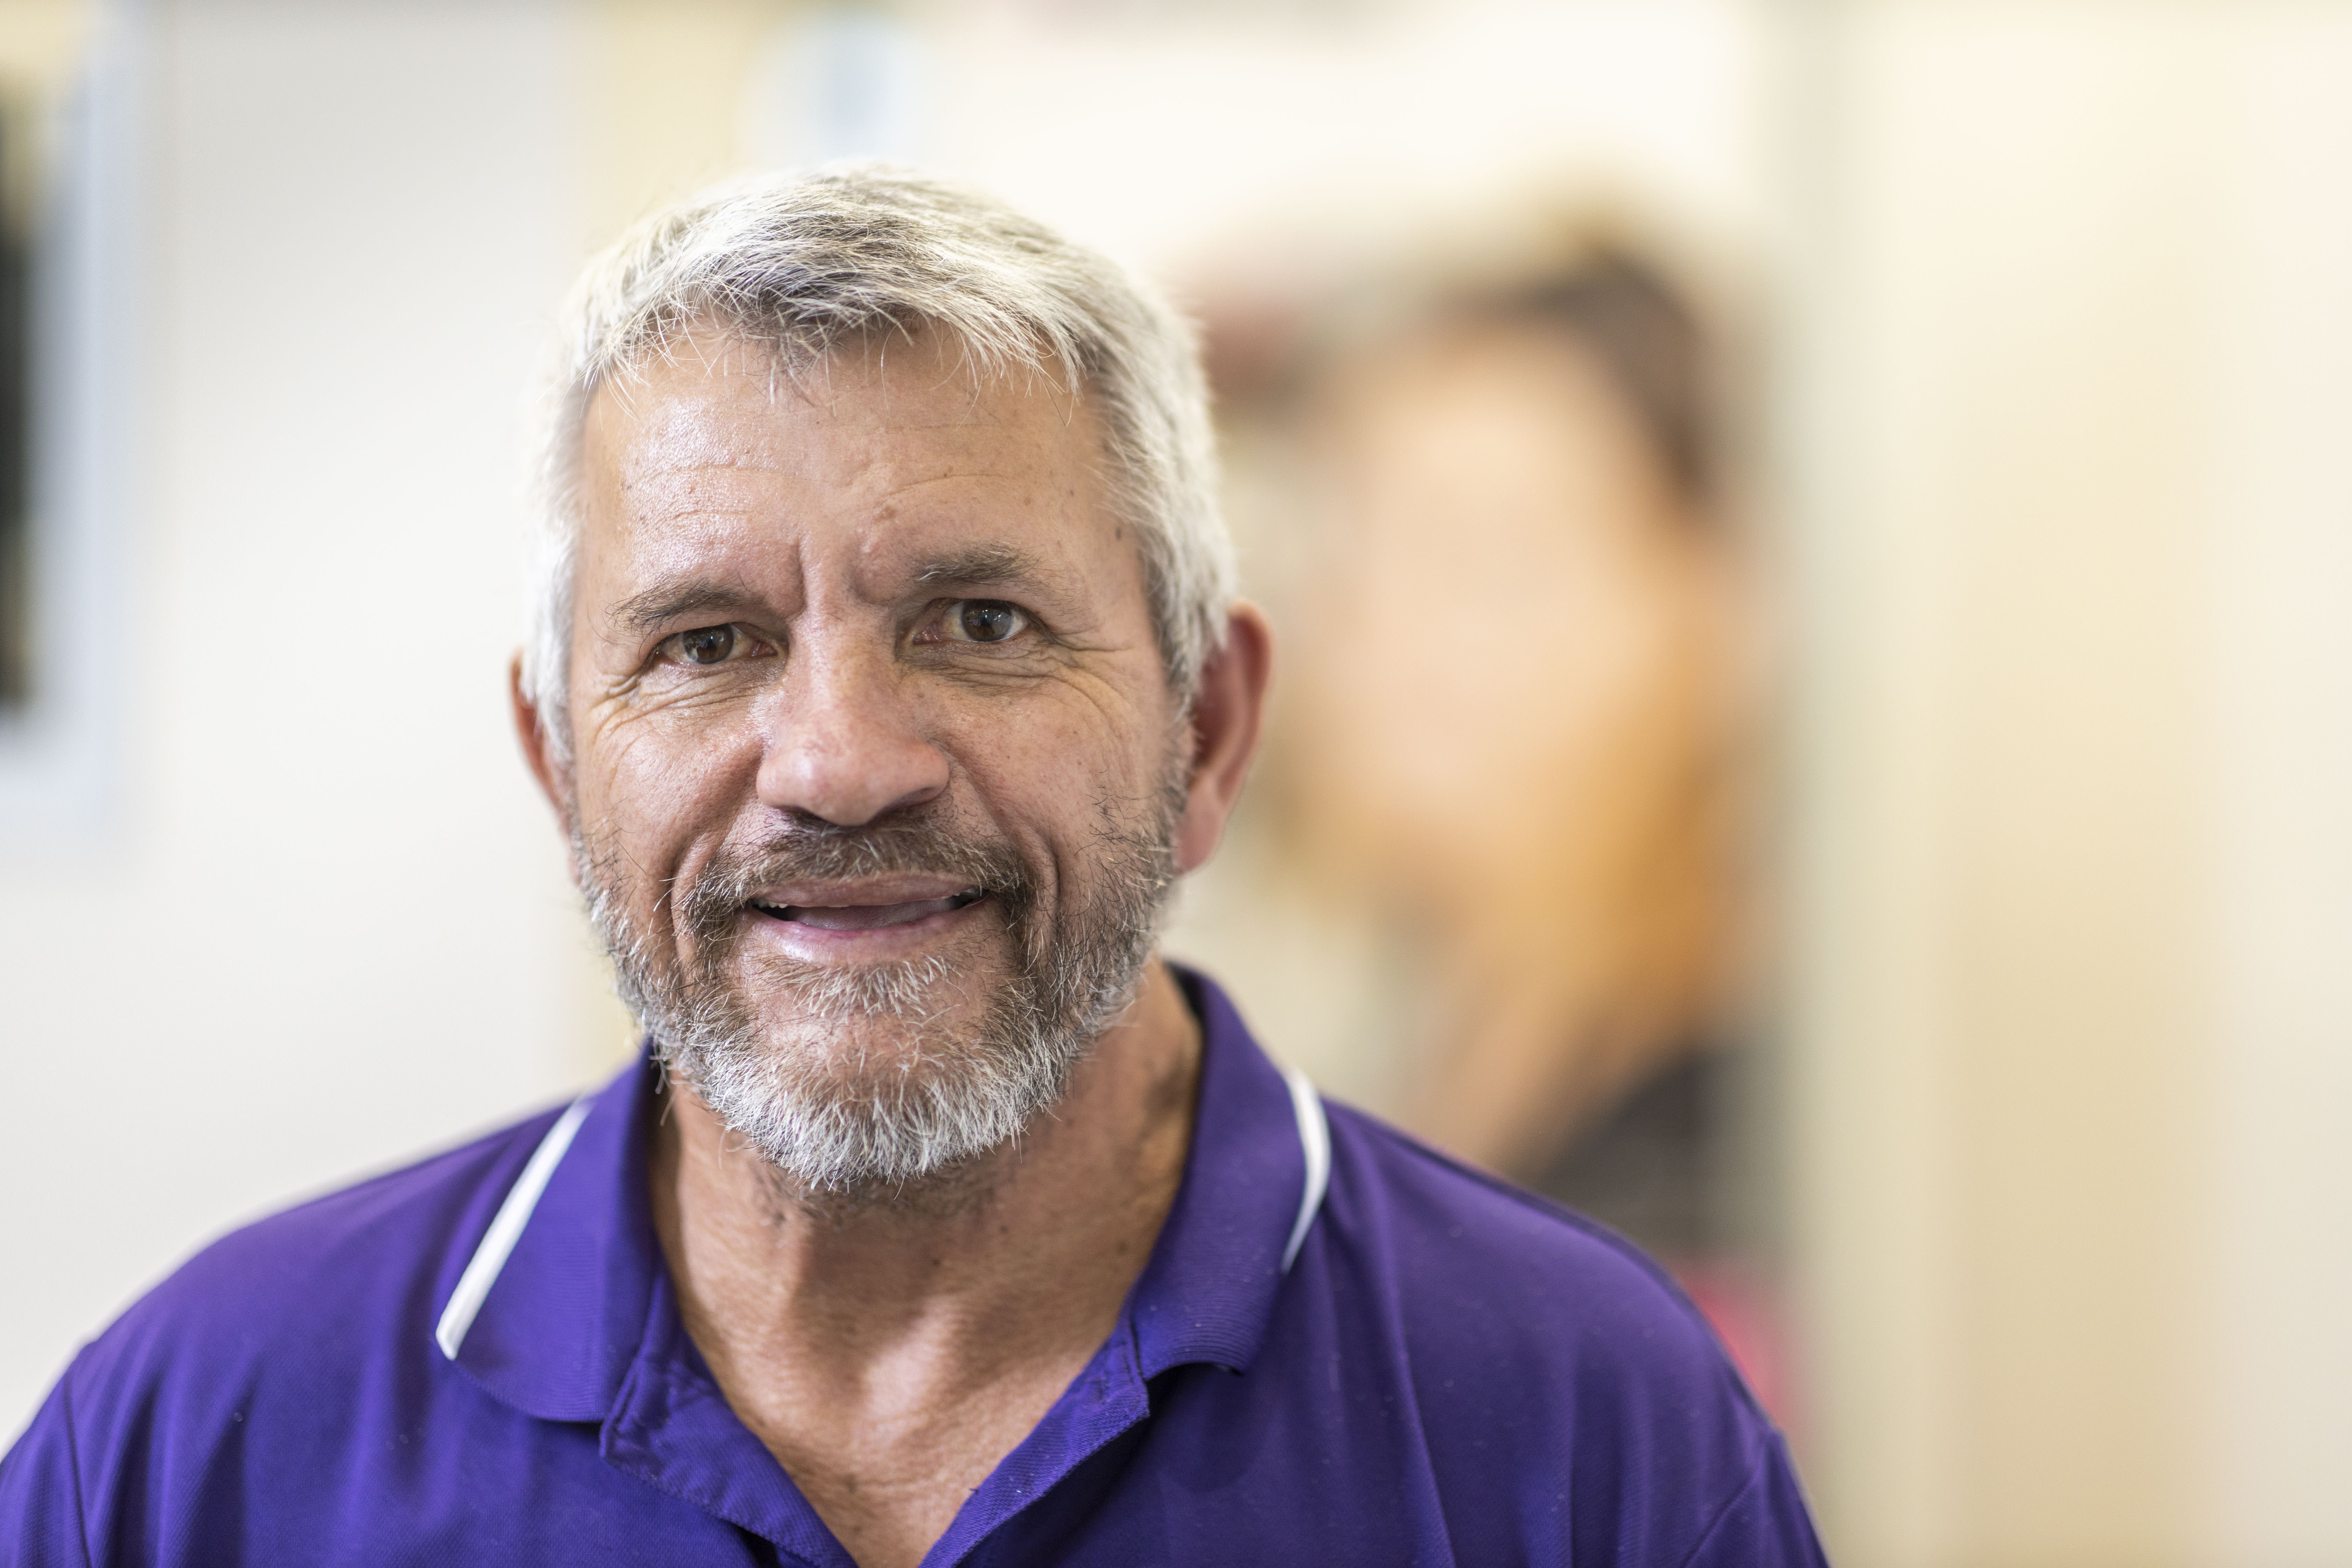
x: 1520, y: 1196
x: 1584, y: 1225
x: 1756, y: 1471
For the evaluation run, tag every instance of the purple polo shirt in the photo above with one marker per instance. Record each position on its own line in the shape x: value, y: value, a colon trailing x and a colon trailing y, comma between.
x: 1449, y: 1371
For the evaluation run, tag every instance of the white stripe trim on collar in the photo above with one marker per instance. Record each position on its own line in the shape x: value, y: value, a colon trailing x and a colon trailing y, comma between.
x: 1315, y: 1142
x: 506, y: 1229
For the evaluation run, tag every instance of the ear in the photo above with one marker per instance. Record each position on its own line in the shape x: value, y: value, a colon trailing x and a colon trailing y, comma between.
x: 554, y: 776
x: 1227, y: 715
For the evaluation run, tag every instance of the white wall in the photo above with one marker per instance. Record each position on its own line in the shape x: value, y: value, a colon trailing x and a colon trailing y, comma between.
x: 322, y: 923
x: 2281, y: 552
x: 2072, y: 1011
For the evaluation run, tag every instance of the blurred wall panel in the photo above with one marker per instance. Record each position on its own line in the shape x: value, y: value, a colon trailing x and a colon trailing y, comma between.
x: 327, y: 923
x: 1999, y: 1015
x: 2070, y: 870
x: 663, y: 86
x: 2280, y: 549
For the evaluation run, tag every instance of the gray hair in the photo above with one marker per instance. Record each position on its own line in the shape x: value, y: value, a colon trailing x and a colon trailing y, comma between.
x: 810, y: 263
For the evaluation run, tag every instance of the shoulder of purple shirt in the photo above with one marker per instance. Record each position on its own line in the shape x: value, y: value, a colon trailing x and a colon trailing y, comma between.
x: 1453, y: 1370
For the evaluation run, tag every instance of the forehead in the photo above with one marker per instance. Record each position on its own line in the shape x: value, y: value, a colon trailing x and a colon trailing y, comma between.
x: 885, y: 447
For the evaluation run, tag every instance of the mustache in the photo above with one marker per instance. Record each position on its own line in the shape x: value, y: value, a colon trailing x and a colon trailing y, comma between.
x: 707, y: 905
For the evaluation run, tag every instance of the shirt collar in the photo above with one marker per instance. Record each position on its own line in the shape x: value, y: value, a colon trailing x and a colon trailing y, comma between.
x: 571, y: 1309
x: 1208, y: 1288
x: 563, y: 1319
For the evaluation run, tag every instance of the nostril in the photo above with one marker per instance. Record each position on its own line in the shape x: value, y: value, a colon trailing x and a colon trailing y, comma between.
x: 852, y: 780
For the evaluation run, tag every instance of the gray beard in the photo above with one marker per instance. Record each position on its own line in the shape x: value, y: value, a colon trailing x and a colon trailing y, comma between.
x: 838, y: 1125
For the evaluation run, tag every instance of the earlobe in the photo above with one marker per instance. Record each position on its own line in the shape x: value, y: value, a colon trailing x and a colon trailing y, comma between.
x: 1228, y: 712
x: 538, y: 754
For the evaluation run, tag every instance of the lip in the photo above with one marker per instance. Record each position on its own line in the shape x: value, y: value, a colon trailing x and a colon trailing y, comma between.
x: 884, y: 918
x: 864, y: 891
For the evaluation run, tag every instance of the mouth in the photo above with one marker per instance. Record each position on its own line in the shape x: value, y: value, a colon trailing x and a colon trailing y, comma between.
x: 849, y: 915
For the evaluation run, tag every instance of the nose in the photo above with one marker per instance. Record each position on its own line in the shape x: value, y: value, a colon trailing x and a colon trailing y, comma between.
x: 842, y: 741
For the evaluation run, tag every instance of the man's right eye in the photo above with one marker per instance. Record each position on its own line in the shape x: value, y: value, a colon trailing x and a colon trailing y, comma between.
x: 710, y: 645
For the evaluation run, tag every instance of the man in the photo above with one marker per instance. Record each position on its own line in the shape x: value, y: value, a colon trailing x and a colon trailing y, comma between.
x: 886, y: 678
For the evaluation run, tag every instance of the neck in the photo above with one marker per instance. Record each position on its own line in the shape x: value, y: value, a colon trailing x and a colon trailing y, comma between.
x: 827, y: 1324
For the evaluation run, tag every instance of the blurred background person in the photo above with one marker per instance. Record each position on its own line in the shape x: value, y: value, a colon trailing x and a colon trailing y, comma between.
x: 1510, y: 762
x: 1513, y: 722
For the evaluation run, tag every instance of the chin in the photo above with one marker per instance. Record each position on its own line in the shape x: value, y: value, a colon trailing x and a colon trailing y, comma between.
x: 870, y: 1081
x: 880, y: 1105
x: 796, y: 998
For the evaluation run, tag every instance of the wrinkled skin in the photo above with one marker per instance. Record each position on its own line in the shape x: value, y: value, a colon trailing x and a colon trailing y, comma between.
x: 887, y: 594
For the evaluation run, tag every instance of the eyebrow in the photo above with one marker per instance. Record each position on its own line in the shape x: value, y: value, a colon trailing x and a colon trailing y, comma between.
x: 677, y: 598
x: 984, y: 563
x: 668, y: 601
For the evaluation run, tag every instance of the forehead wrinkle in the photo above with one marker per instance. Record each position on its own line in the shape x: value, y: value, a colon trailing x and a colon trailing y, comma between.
x: 685, y: 455
x: 677, y: 497
x: 981, y: 475
x: 675, y: 421
x: 681, y: 446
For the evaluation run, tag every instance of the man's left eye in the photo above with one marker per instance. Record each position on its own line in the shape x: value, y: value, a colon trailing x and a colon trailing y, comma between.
x: 984, y: 620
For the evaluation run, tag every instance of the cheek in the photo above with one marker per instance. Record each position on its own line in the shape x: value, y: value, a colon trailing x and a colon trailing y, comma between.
x: 1052, y: 772
x: 653, y: 790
